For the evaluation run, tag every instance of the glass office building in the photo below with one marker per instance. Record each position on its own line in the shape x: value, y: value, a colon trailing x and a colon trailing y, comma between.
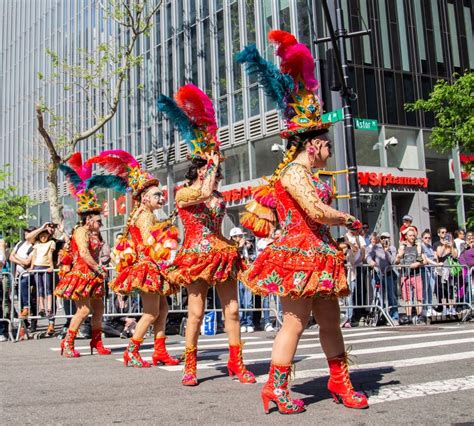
x: 413, y: 43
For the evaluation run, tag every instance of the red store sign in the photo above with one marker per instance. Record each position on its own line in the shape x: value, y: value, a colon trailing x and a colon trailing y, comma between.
x: 383, y: 180
x: 237, y: 194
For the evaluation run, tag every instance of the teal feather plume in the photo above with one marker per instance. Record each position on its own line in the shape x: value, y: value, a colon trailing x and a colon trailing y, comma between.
x: 275, y: 84
x: 177, y: 117
x: 74, y: 181
x: 107, y: 181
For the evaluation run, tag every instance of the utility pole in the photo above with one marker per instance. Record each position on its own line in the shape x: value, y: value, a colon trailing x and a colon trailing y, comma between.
x: 337, y: 38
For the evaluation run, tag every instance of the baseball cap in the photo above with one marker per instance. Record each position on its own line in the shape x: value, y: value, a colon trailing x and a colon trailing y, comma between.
x: 234, y: 232
x: 408, y: 217
x: 385, y: 234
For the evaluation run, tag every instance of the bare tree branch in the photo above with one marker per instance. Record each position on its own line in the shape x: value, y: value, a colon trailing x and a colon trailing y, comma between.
x: 47, y: 139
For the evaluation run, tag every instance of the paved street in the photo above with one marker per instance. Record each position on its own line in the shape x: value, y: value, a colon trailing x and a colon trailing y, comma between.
x: 413, y: 375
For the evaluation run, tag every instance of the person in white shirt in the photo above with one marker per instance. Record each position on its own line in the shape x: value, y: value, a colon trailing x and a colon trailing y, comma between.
x: 357, y: 246
x: 460, y: 241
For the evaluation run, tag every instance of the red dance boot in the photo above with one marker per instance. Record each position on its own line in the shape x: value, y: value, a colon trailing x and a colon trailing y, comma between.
x: 276, y: 390
x: 190, y: 366
x: 236, y: 365
x: 96, y: 343
x: 132, y: 356
x: 161, y: 354
x: 67, y: 345
x: 340, y: 385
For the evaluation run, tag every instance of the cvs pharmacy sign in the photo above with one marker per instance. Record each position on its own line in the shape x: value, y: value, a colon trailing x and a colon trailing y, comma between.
x: 383, y: 180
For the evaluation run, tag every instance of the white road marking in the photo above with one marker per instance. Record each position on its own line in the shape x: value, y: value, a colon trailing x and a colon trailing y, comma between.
x: 399, y: 363
x: 416, y: 390
x: 382, y: 349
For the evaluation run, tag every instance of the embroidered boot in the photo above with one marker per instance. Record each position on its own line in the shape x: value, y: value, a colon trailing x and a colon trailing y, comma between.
x: 276, y: 390
x: 97, y: 344
x: 132, y: 356
x: 236, y: 365
x: 67, y: 345
x: 340, y: 385
x: 161, y: 354
x: 190, y: 366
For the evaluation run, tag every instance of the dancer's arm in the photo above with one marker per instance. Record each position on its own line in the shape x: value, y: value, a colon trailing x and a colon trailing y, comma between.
x: 298, y: 182
x: 189, y: 196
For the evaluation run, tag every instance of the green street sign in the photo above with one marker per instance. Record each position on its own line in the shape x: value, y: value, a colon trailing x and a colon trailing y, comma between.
x: 366, y: 124
x: 333, y: 116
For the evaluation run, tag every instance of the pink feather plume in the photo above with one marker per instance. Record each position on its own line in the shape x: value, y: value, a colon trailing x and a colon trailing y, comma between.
x: 197, y: 106
x: 296, y: 58
x: 82, y: 169
x: 115, y: 161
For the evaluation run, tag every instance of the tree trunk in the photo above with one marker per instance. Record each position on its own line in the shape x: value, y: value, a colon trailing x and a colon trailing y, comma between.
x: 55, y: 206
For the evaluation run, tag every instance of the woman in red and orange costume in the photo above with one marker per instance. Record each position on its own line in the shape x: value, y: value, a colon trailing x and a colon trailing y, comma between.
x: 304, y: 266
x: 82, y: 276
x: 206, y: 257
x: 142, y: 251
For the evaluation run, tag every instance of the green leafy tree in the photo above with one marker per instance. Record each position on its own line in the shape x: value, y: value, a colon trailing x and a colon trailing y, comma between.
x: 13, y: 209
x: 452, y: 104
x: 92, y: 87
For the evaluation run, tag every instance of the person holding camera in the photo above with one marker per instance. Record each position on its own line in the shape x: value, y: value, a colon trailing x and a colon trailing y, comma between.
x: 381, y: 256
x: 409, y: 257
x: 445, y: 286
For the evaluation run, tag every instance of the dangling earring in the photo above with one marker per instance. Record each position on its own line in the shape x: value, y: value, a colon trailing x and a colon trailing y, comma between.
x: 311, y: 153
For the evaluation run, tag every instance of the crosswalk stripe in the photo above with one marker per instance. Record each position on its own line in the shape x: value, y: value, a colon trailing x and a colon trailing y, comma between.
x: 395, y: 393
x: 399, y: 363
x: 382, y: 349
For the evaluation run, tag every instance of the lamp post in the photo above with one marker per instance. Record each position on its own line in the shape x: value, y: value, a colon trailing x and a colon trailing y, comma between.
x: 337, y: 38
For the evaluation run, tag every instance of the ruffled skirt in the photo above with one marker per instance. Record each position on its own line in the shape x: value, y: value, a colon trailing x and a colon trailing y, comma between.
x: 297, y: 270
x: 144, y: 276
x: 214, y: 266
x: 80, y: 283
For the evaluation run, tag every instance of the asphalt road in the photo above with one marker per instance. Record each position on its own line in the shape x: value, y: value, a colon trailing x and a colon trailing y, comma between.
x: 412, y: 375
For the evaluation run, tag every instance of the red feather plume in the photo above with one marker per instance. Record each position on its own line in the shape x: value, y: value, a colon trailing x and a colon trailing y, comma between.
x: 197, y: 106
x: 83, y: 170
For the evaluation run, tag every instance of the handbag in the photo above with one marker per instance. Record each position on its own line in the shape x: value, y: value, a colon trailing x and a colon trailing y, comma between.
x: 454, y: 266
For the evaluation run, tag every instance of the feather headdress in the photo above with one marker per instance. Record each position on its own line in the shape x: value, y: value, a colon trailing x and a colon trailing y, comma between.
x: 292, y: 88
x: 125, y: 170
x: 193, y: 114
x: 78, y: 176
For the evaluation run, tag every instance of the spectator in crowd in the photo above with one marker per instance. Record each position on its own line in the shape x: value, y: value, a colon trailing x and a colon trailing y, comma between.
x: 21, y: 256
x: 42, y: 265
x: 350, y: 253
x: 441, y: 232
x: 357, y: 247
x: 381, y: 256
x: 467, y: 259
x: 410, y: 257
x: 445, y: 291
x: 460, y: 240
x: 261, y: 245
x: 430, y: 261
x: 365, y: 234
x: 3, y: 268
x: 245, y: 295
x: 407, y: 224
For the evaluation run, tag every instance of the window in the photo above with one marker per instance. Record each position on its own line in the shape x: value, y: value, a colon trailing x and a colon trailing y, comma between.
x: 266, y: 160
x: 420, y: 35
x: 384, y: 35
x: 453, y: 35
x: 367, y: 148
x: 285, y: 15
x: 236, y: 166
x: 405, y: 154
x: 437, y: 36
x: 402, y: 33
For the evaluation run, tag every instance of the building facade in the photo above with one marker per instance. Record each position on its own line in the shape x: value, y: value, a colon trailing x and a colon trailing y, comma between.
x: 413, y: 43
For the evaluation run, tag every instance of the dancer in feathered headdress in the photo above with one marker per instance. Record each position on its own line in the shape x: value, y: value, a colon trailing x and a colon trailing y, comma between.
x: 206, y: 257
x: 142, y: 252
x: 82, y: 275
x: 304, y: 266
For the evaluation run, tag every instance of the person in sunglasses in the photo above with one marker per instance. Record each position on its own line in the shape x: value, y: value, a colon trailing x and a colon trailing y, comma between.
x: 142, y: 252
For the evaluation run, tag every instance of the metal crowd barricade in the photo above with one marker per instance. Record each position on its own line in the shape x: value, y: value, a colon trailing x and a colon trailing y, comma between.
x: 367, y: 296
x: 7, y: 308
x: 30, y: 295
x: 436, y: 292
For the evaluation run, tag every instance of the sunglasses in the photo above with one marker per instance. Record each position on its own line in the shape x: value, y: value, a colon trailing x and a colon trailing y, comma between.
x: 384, y: 238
